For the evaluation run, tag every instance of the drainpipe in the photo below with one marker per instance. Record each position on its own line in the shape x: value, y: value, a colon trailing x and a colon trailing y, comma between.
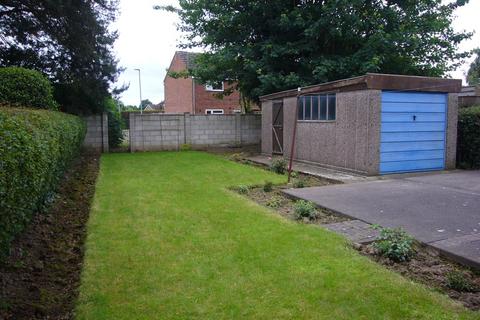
x: 299, y: 90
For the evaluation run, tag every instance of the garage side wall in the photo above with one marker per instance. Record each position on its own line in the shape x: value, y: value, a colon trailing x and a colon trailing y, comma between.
x: 352, y: 142
x: 452, y: 119
x: 267, y: 127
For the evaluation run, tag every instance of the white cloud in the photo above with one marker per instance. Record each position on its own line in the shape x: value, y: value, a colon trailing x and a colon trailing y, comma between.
x: 148, y: 39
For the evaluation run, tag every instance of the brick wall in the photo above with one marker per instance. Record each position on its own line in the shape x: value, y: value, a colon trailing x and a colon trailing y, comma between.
x: 178, y: 92
x: 97, y: 132
x: 155, y: 132
x: 207, y: 100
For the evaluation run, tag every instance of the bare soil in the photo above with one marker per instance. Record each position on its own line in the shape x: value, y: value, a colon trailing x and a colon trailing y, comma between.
x: 429, y: 267
x: 40, y: 278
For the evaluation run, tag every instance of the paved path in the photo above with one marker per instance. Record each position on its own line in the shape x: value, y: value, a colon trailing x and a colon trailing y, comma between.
x: 442, y: 210
x: 316, y: 170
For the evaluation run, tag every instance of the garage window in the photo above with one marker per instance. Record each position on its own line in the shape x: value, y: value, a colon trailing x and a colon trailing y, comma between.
x: 318, y: 107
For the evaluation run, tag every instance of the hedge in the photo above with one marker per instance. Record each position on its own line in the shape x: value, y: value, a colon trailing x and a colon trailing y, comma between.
x: 36, y: 146
x: 468, y: 145
x: 26, y: 88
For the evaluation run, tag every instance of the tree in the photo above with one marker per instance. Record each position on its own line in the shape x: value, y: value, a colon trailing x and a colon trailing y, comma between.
x: 145, y: 103
x: 69, y: 41
x: 473, y: 75
x: 275, y: 45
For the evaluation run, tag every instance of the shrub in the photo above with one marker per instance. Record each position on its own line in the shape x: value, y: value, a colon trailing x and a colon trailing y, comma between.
x: 305, y: 209
x: 394, y: 244
x: 294, y: 174
x: 279, y: 165
x: 243, y: 189
x: 35, y: 148
x: 268, y: 186
x: 457, y: 280
x: 468, y: 146
x: 299, y: 183
x: 26, y: 88
x: 115, y: 133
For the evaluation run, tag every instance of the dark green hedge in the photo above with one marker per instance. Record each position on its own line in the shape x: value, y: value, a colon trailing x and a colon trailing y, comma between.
x: 35, y: 148
x: 26, y: 88
x: 468, y: 145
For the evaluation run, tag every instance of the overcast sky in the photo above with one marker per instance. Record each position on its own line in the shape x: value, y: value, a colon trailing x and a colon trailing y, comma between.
x: 148, y: 39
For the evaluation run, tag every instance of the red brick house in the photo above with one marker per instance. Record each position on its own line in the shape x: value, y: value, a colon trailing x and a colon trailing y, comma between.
x: 187, y: 95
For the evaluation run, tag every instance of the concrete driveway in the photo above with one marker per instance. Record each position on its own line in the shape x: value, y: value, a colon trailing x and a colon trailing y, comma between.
x: 442, y: 210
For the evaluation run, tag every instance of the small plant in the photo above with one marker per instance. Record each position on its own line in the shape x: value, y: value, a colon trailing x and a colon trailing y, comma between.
x: 279, y: 165
x: 394, y: 244
x: 238, y: 157
x: 458, y: 281
x: 268, y: 186
x: 274, y: 202
x: 294, y: 174
x: 186, y: 147
x: 305, y: 209
x: 299, y: 183
x: 242, y: 189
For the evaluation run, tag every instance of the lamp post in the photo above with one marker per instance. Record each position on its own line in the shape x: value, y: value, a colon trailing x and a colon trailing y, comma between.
x: 140, y: 86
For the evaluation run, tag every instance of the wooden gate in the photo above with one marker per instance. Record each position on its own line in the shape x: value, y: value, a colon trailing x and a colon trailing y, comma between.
x: 277, y: 128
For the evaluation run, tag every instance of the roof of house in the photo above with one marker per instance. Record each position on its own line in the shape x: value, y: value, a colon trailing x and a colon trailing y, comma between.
x: 188, y: 58
x: 375, y: 81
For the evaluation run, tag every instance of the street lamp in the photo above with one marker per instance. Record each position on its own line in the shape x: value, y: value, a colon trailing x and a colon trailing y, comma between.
x: 140, y: 86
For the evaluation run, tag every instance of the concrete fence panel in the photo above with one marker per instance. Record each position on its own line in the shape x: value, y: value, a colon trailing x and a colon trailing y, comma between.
x: 155, y: 132
x: 97, y: 132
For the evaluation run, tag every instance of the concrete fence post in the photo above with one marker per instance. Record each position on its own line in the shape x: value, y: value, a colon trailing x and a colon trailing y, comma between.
x: 187, y: 128
x: 238, y: 128
x: 131, y: 126
x: 105, y: 147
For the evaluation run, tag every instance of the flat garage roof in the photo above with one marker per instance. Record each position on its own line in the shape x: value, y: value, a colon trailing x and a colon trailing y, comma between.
x: 376, y: 81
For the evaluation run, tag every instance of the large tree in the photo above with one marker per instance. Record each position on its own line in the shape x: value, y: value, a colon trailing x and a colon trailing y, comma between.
x: 274, y: 45
x: 473, y: 75
x: 69, y: 41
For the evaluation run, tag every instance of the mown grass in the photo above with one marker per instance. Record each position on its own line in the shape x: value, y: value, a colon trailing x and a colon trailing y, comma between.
x: 168, y: 240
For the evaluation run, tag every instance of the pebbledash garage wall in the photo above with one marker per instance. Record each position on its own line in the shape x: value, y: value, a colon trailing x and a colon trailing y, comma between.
x: 384, y: 124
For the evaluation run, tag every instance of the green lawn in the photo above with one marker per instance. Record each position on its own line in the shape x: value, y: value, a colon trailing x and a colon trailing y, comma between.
x: 167, y: 240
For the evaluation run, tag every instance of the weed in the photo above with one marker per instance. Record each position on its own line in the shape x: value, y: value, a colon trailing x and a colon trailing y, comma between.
x: 305, y: 209
x: 394, y: 244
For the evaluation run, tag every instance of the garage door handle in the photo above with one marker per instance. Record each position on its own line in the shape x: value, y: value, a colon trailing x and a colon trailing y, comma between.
x: 414, y: 118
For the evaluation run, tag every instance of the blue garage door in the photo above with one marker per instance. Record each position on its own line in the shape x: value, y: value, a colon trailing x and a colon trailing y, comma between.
x: 412, y: 132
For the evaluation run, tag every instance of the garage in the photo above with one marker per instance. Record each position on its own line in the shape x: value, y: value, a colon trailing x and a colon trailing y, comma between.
x: 371, y: 125
x: 412, y: 132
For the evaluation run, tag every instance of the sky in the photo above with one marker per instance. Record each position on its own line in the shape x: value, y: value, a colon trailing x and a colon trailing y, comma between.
x: 148, y: 39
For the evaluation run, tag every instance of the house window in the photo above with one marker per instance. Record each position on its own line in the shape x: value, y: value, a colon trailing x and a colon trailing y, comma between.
x: 321, y: 107
x: 214, y: 111
x: 214, y: 86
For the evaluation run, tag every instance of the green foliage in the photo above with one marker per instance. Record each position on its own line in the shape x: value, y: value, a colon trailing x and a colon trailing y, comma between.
x: 115, y: 123
x: 297, y: 43
x: 268, y: 186
x: 35, y: 148
x: 473, y: 75
x: 186, y: 147
x: 274, y: 202
x: 457, y: 280
x: 394, y: 244
x: 468, y: 145
x: 279, y: 165
x: 70, y: 41
x: 305, y: 209
x: 299, y: 183
x: 26, y: 88
x: 243, y: 189
x: 294, y: 174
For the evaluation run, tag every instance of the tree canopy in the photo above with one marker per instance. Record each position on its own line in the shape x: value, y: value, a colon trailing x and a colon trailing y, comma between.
x: 69, y: 41
x: 473, y: 75
x: 275, y: 45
